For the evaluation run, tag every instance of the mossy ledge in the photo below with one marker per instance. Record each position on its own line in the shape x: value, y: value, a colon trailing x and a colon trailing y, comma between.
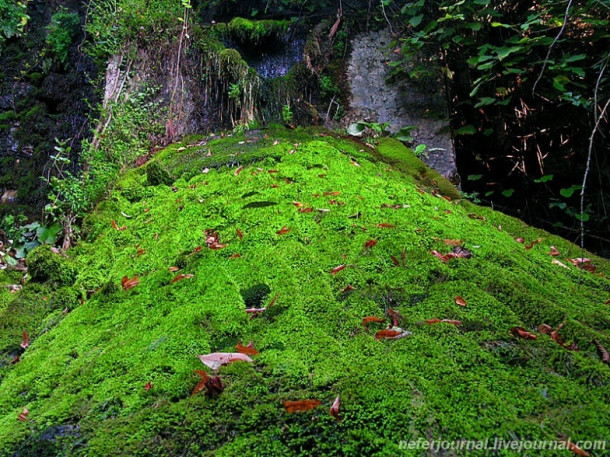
x: 94, y: 347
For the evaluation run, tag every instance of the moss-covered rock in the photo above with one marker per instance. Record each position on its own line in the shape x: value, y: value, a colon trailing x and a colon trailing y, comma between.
x: 289, y: 207
x: 46, y: 265
x: 157, y: 174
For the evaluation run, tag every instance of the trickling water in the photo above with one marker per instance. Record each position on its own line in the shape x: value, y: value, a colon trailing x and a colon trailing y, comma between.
x: 273, y: 58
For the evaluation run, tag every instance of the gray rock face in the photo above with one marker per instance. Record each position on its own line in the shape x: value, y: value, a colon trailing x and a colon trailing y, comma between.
x: 401, y: 103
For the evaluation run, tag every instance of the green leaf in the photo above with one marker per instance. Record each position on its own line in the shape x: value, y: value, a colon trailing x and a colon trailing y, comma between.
x: 567, y: 193
x: 474, y: 177
x: 484, y: 101
x: 508, y: 192
x: 356, y: 129
x: 416, y: 20
x: 544, y: 178
x: 466, y: 130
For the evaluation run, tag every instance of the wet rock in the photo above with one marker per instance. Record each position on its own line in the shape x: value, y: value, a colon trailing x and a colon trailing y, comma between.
x: 376, y: 98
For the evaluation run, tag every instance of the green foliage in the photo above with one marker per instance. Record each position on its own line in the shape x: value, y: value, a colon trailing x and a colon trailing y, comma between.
x: 287, y: 115
x: 61, y: 33
x: 13, y: 18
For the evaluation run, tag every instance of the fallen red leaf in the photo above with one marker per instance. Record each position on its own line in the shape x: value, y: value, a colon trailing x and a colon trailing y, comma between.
x: 272, y: 302
x: 283, y: 230
x: 395, y: 260
x: 520, y: 240
x: 174, y: 269
x: 129, y: 283
x: 182, y: 276
x: 23, y: 416
x: 603, y: 352
x: 522, y: 333
x: 15, y: 360
x: 216, y: 246
x: 545, y: 329
x: 273, y: 171
x: 385, y: 225
x: 336, y: 270
x: 114, y: 225
x: 460, y: 301
x: 238, y: 171
x: 334, y: 409
x: 442, y: 257
x: 301, y: 405
x: 26, y: 340
x: 214, y: 386
x: 366, y: 320
x: 235, y: 256
x: 370, y: 243
x: 532, y: 244
x: 201, y: 384
x: 197, y: 249
x: 554, y: 252
x: 148, y: 386
x: 297, y: 204
x: 395, y: 316
x: 309, y: 209
x: 347, y: 288
x: 240, y: 234
x: 216, y: 359
x: 575, y: 449
x: 334, y: 193
x: 255, y: 311
x: 248, y: 350
x: 445, y: 321
x: 274, y: 186
x: 387, y: 334
x: 141, y: 252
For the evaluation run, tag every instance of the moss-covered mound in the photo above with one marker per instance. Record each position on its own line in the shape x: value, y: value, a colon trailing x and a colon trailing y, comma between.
x: 109, y: 371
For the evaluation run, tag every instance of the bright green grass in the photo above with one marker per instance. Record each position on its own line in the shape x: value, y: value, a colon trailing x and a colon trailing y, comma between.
x: 87, y: 370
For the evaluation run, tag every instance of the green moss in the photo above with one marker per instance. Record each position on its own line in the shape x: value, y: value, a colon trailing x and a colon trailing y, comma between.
x: 88, y: 368
x: 45, y: 265
x: 156, y: 174
x: 256, y: 31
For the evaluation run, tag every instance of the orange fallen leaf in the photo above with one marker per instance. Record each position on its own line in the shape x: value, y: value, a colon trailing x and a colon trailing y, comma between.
x: 26, y: 340
x: 248, y: 350
x: 297, y: 204
x: 391, y: 334
x: 395, y: 260
x: 334, y: 409
x: 336, y: 270
x: 522, y: 333
x: 182, y: 276
x: 283, y: 230
x: 309, y: 209
x: 238, y: 171
x: 554, y: 252
x: 366, y: 320
x: 333, y: 194
x: 453, y: 242
x: 370, y: 243
x: 301, y: 405
x: 445, y: 321
x: 460, y: 301
x: 347, y: 288
x: 114, y: 226
x: 273, y: 300
x: 532, y: 244
x: 575, y: 449
x: 385, y: 225
x: 395, y: 316
x: 197, y: 249
x: 545, y: 329
x: 603, y: 352
x: 240, y: 234
x: 23, y: 416
x: 174, y: 269
x: 235, y: 256
x: 129, y: 283
x: 201, y: 384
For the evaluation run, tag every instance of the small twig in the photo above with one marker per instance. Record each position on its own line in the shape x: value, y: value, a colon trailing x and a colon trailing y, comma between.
x: 548, y: 54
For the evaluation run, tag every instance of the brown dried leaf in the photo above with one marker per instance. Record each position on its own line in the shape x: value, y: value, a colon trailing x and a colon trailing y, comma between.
x: 453, y: 242
x: 385, y: 225
x: 216, y: 359
x: 460, y: 301
x: 301, y: 405
x: 182, y: 276
x: 283, y: 230
x: 23, y: 416
x: 522, y: 333
x: 238, y: 171
x: 336, y: 270
x: 129, y: 283
x: 370, y: 243
x: 334, y: 409
x: 240, y: 234
x: 366, y: 320
x: 248, y: 350
x: 603, y: 352
x: 25, y: 340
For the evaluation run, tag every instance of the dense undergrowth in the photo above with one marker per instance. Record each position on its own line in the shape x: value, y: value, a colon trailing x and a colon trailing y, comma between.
x: 94, y: 347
